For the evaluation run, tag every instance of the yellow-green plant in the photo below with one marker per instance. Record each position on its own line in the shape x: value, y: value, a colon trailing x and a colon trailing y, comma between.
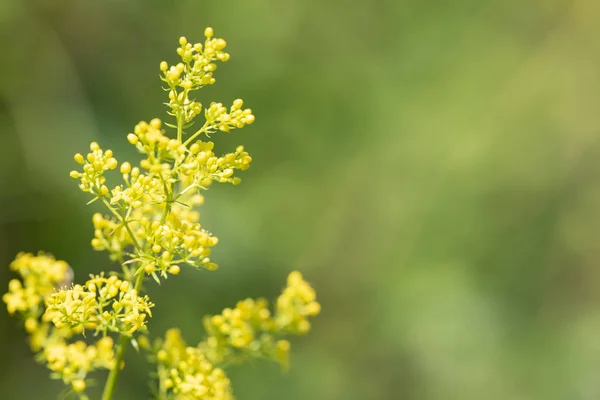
x: 152, y: 229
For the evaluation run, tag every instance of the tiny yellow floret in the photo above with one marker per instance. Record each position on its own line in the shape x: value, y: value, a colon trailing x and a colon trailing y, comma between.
x: 79, y: 159
x: 78, y: 385
x: 31, y: 325
x: 149, y: 268
x: 125, y: 168
x: 133, y: 139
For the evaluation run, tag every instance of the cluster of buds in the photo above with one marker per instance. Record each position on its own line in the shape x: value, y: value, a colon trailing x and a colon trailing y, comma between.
x: 140, y: 188
x: 35, y: 299
x: 237, y: 327
x: 202, y: 166
x: 193, y: 72
x: 179, y: 240
x: 199, y: 60
x: 150, y: 139
x: 250, y: 329
x: 218, y: 117
x: 73, y: 362
x: 295, y: 305
x: 40, y: 275
x: 185, y: 372
x: 94, y: 165
x: 110, y: 235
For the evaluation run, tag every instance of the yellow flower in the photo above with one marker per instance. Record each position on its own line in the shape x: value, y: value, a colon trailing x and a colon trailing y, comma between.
x: 152, y: 227
x: 187, y: 373
x: 78, y: 385
x: 296, y: 304
x: 250, y: 329
x: 15, y: 299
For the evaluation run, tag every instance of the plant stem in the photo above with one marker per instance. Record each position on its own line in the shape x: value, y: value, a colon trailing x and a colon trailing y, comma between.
x: 111, y: 381
x: 179, y: 129
x: 200, y: 131
x: 123, y: 220
x: 168, y: 201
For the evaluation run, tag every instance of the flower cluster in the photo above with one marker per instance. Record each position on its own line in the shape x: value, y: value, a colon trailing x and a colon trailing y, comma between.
x: 226, y: 120
x: 296, y: 303
x: 185, y: 373
x: 92, y: 177
x: 72, y: 362
x: 110, y: 235
x: 103, y: 304
x: 151, y: 218
x: 250, y: 329
x: 41, y: 275
x: 193, y: 72
x: 42, y: 297
x: 198, y: 62
x: 151, y: 227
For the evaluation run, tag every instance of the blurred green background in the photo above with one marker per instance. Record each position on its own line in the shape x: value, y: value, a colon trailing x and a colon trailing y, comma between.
x: 432, y: 167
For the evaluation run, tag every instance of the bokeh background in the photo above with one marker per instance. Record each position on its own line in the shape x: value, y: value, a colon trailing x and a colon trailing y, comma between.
x: 432, y: 167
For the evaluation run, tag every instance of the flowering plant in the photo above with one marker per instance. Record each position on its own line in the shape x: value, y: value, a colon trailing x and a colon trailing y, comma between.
x: 152, y: 229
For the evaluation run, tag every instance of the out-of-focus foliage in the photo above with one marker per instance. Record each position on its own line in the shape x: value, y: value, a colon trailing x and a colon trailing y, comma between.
x: 432, y: 168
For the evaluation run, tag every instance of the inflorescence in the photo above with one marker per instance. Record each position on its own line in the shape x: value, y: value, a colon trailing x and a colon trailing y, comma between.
x: 152, y: 228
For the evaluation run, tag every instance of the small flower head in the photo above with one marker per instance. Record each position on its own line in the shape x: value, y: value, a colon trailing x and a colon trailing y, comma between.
x: 251, y: 329
x: 186, y: 373
x: 41, y: 275
x: 103, y: 304
x: 296, y: 304
x: 97, y: 161
x: 72, y: 362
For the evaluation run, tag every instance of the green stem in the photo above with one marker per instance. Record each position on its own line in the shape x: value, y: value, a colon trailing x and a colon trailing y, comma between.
x: 135, y: 242
x: 179, y: 128
x: 200, y: 131
x: 162, y: 391
x: 168, y: 201
x: 180, y: 117
x: 138, y: 282
x: 110, y: 207
x: 123, y: 220
x: 111, y: 381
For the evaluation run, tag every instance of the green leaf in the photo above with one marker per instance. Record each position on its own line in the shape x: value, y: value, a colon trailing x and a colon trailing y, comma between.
x: 91, y: 201
x: 156, y: 278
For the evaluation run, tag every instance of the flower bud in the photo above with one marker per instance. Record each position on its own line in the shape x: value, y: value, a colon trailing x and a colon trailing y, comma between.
x: 133, y: 139
x: 79, y: 159
x: 125, y: 168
